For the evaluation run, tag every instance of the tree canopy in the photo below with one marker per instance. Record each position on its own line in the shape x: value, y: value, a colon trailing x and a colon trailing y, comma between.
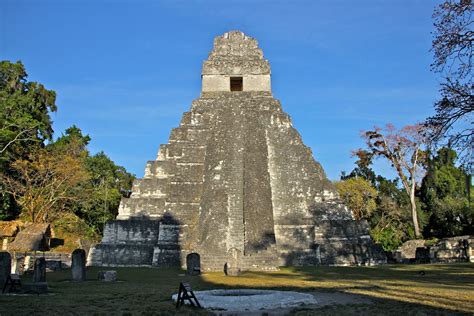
x: 359, y: 195
x: 45, y: 180
x: 446, y: 196
x: 404, y: 149
x: 24, y: 112
x: 452, y: 48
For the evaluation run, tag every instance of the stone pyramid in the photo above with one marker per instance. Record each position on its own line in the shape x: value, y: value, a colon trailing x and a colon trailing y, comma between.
x: 234, y: 184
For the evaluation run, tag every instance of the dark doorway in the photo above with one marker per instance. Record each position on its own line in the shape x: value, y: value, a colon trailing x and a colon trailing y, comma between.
x: 236, y: 84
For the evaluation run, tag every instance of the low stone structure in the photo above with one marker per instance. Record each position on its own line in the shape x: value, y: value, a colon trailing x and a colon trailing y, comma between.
x: 453, y: 249
x: 406, y: 253
x: 446, y: 250
x: 107, y: 276
x: 234, y: 179
x: 78, y: 266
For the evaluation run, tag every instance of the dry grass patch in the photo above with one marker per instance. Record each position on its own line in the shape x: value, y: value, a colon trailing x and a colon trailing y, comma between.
x: 444, y: 289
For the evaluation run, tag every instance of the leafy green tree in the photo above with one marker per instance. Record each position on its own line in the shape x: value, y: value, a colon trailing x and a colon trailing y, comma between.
x: 358, y: 195
x: 363, y: 169
x: 74, y: 135
x: 24, y: 123
x: 108, y: 183
x: 390, y: 219
x: 24, y: 111
x: 445, y: 196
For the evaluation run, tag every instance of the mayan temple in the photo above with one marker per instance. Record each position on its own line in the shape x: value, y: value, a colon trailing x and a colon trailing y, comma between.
x: 234, y: 184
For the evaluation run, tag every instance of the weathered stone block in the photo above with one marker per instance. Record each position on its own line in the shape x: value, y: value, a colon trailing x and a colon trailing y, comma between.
x: 78, y: 266
x: 131, y: 231
x: 121, y: 255
x: 39, y: 273
x: 193, y: 264
x: 107, y: 276
x: 5, y: 266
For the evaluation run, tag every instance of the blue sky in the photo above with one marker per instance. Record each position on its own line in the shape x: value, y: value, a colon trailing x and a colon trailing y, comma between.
x: 125, y: 71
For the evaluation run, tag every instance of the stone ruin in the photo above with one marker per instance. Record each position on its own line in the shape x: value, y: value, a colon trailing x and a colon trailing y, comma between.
x: 446, y: 250
x: 234, y: 184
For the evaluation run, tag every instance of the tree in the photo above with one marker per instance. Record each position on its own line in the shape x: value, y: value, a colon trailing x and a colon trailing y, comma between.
x: 363, y: 169
x: 24, y: 111
x: 358, y: 195
x: 445, y: 196
x: 24, y: 123
x: 73, y: 136
x: 107, y: 184
x: 46, y: 182
x: 403, y: 148
x: 452, y: 48
x: 388, y: 221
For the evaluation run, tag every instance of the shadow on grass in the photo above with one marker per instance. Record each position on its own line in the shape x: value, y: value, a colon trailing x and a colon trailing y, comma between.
x: 146, y: 291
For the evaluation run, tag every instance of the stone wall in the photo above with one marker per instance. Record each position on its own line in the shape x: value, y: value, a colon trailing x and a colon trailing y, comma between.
x: 452, y: 249
x: 126, y: 243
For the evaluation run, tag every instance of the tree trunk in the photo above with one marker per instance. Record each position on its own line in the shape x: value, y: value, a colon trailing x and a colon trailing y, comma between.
x: 413, y: 211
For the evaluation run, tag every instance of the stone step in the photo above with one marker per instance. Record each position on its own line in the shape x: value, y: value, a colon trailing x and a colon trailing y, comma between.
x: 141, y: 207
x: 150, y: 187
x: 188, y: 136
x: 160, y: 169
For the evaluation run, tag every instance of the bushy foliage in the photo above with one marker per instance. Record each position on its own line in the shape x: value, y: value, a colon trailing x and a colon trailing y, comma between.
x: 24, y: 123
x: 108, y: 183
x: 390, y: 218
x: 46, y: 182
x: 358, y: 195
x: 51, y: 181
x: 445, y: 196
x: 444, y: 201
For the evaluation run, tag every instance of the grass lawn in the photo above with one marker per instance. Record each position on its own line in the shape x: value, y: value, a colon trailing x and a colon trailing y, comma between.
x: 394, y: 289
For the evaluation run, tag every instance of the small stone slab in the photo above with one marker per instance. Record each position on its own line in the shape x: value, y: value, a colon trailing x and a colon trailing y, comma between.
x: 251, y: 300
x: 193, y: 264
x: 5, y: 266
x: 78, y: 266
x: 107, y: 276
x: 232, y: 266
x: 39, y: 274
